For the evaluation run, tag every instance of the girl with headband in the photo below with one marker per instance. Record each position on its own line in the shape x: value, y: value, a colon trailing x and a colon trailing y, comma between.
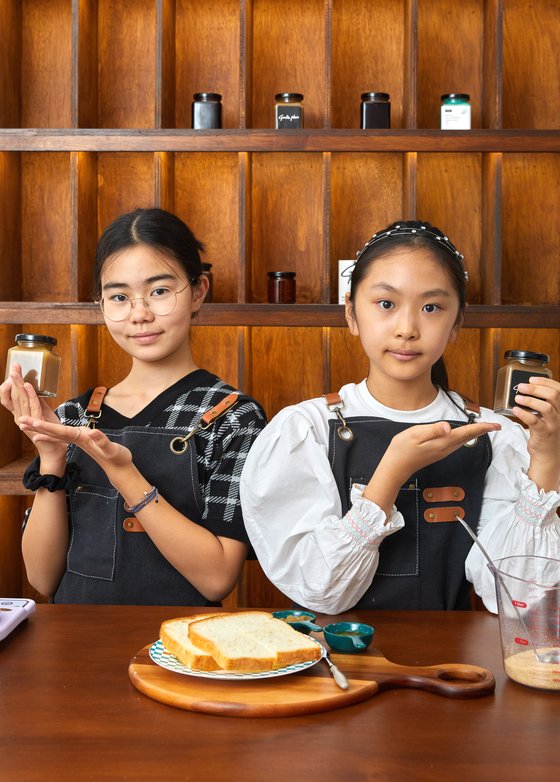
x: 350, y: 500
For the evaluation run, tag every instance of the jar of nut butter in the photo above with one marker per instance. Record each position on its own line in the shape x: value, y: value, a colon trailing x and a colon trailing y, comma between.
x: 39, y: 363
x: 519, y: 367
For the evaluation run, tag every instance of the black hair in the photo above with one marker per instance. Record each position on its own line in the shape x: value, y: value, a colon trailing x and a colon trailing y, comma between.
x: 415, y: 234
x: 158, y: 229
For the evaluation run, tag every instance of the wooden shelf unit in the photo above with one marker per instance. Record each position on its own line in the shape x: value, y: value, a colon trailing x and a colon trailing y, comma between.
x: 95, y: 120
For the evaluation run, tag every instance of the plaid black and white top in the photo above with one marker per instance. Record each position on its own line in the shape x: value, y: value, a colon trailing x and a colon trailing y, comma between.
x: 221, y: 449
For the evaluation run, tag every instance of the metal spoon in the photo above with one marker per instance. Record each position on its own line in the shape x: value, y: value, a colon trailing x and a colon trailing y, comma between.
x: 337, y: 674
x: 548, y: 657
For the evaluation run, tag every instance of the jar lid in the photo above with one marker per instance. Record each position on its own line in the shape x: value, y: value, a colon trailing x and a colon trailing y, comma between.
x: 528, y: 355
x: 286, y: 97
x: 206, y: 266
x: 282, y: 275
x: 36, y: 338
x: 375, y: 96
x: 207, y: 96
x: 456, y: 96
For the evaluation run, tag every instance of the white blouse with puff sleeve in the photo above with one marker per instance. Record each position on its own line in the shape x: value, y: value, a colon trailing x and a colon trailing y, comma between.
x: 326, y: 561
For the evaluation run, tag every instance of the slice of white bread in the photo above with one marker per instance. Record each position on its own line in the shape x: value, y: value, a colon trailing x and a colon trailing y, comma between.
x: 251, y: 641
x: 174, y: 636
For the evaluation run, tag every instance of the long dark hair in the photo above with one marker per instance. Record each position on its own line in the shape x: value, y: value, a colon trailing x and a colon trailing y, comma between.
x: 162, y: 231
x: 415, y: 234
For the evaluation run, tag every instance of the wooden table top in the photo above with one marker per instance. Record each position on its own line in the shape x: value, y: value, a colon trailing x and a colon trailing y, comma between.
x: 68, y: 711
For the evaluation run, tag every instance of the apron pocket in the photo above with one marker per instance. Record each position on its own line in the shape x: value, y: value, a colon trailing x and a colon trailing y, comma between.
x: 93, y: 541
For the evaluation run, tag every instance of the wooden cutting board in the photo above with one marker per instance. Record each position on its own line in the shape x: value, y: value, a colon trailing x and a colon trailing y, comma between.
x: 306, y: 692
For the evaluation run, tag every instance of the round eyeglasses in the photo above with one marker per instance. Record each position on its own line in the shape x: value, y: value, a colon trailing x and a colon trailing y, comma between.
x: 160, y: 301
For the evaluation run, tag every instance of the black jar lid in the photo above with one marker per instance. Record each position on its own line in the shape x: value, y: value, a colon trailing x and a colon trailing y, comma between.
x: 375, y: 96
x: 286, y: 97
x: 457, y: 95
x: 527, y: 354
x: 282, y: 275
x: 207, y: 96
x: 206, y: 267
x: 36, y: 338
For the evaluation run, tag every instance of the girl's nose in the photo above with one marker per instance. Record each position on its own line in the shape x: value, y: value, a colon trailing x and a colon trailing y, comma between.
x: 406, y: 326
x: 140, y: 310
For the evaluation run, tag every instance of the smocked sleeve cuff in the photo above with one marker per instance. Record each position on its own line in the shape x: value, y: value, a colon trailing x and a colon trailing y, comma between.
x: 535, y: 506
x: 365, y: 521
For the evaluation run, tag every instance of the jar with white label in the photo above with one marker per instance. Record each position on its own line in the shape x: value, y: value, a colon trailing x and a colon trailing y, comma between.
x: 288, y: 110
x: 39, y: 363
x: 519, y: 367
x: 455, y: 111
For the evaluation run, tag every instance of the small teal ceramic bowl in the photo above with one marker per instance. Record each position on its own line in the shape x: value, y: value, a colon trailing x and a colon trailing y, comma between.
x: 348, y: 636
x: 303, y: 621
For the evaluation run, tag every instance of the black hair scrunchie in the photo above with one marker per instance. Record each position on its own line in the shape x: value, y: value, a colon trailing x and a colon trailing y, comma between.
x: 33, y: 480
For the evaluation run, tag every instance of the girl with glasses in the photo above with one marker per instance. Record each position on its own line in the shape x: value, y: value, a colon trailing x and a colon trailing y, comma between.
x: 137, y: 486
x: 351, y: 500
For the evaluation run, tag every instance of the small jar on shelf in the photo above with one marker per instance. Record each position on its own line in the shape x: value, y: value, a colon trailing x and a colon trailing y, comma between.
x: 281, y: 287
x: 288, y: 111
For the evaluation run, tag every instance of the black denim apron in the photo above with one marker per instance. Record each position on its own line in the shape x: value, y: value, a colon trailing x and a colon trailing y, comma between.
x: 421, y: 566
x: 109, y: 560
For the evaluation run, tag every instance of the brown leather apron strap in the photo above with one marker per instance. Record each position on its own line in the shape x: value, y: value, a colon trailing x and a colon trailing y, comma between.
x: 222, y: 407
x: 332, y: 399
x: 93, y: 409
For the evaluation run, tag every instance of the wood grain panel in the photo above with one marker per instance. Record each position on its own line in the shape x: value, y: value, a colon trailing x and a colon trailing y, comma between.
x: 11, y: 566
x: 367, y: 56
x: 126, y: 182
x: 47, y: 272
x: 85, y: 74
x: 207, y: 199
x: 450, y: 56
x: 531, y: 73
x: 449, y: 195
x: 10, y: 226
x: 286, y: 366
x: 84, y: 234
x: 127, y: 64
x: 217, y: 349
x: 46, y: 64
x: 531, y: 232
x: 256, y: 591
x: 289, y: 56
x: 113, y: 363
x: 287, y: 218
x: 208, y: 59
x: 462, y: 359
x: 85, y: 341
x: 348, y: 362
x: 10, y: 62
x: 366, y: 193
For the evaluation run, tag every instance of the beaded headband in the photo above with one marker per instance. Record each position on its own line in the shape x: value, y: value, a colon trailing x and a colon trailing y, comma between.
x: 403, y: 230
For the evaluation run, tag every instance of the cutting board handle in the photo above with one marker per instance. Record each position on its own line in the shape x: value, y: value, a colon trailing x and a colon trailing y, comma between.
x: 453, y: 680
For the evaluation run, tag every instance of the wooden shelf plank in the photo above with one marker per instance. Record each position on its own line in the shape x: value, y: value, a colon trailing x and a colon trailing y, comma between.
x: 11, y: 476
x: 270, y: 140
x: 319, y: 315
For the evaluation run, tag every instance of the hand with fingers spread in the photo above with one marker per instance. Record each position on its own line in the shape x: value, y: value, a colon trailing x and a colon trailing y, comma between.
x: 109, y: 455
x: 541, y: 395
x: 413, y: 449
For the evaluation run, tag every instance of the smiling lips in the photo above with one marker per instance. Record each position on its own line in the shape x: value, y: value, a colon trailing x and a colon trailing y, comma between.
x: 403, y: 355
x: 145, y: 338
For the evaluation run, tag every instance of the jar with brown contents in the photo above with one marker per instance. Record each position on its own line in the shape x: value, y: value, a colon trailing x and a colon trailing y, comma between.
x: 519, y: 367
x: 39, y: 364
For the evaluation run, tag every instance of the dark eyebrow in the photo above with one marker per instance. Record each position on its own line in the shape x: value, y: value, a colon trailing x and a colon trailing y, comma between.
x: 156, y: 278
x: 425, y: 294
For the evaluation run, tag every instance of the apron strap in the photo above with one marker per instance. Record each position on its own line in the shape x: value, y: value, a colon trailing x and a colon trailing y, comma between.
x: 335, y: 404
x: 179, y: 445
x: 93, y: 409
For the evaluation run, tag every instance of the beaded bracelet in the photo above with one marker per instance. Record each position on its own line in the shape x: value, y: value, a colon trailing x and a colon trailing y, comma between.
x: 148, y: 497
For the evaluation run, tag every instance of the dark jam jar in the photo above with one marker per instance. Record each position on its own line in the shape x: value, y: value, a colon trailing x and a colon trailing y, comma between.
x: 375, y: 110
x: 206, y: 111
x: 281, y: 287
x: 519, y: 367
x: 288, y: 110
